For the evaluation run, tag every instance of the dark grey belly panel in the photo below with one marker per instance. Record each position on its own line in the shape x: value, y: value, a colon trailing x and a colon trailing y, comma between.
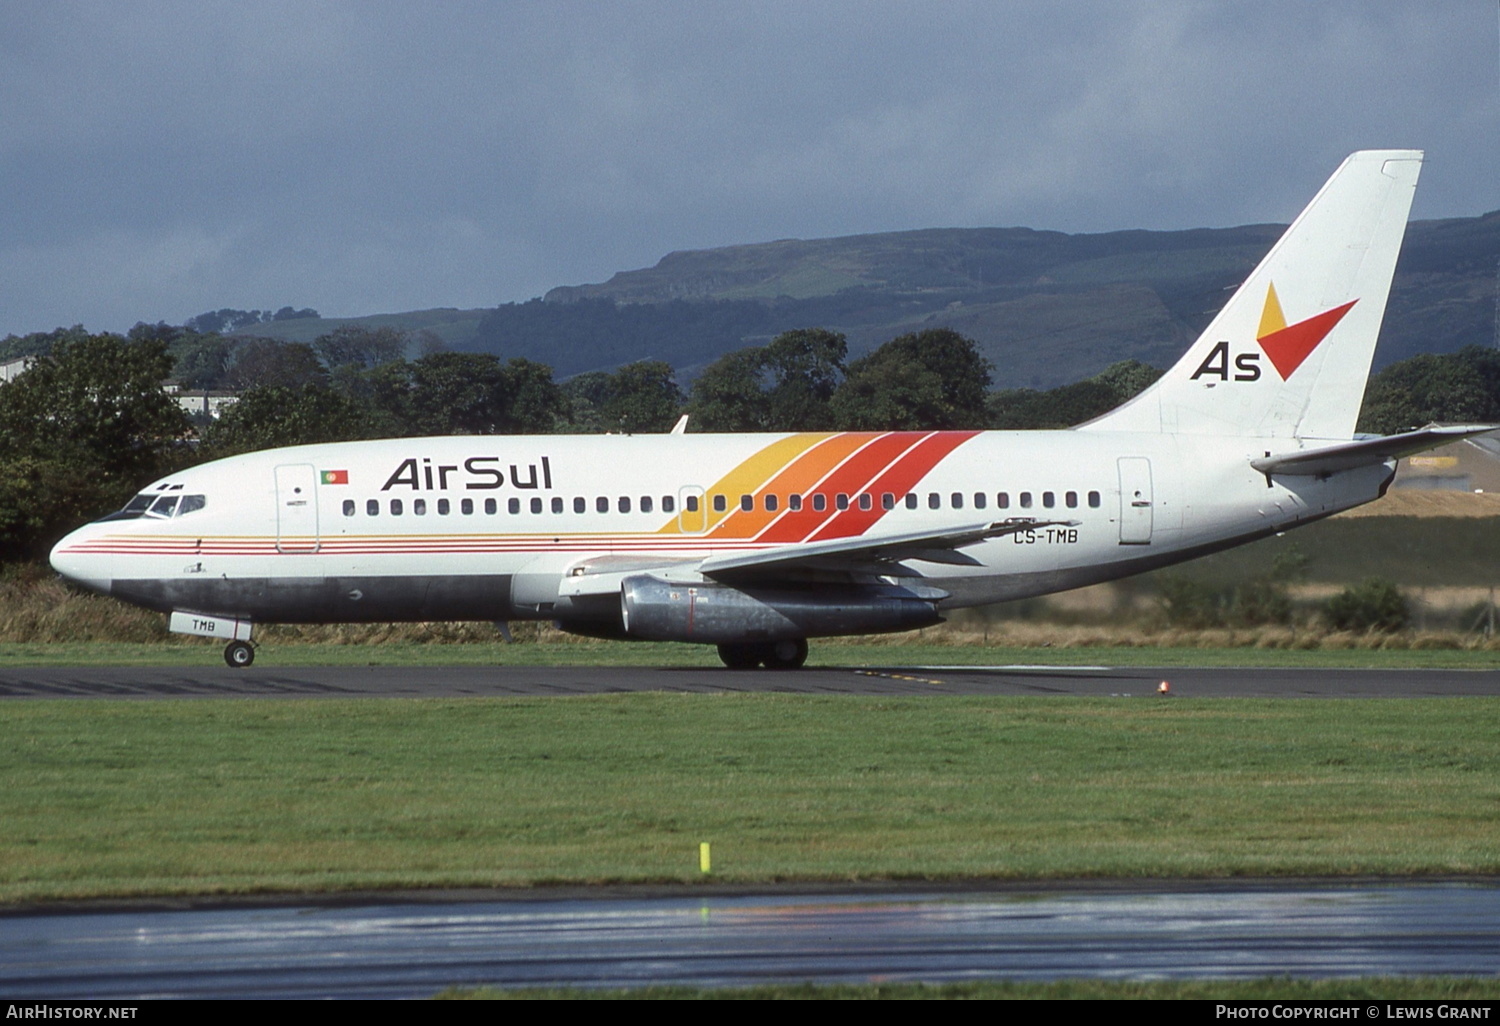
x: 328, y: 599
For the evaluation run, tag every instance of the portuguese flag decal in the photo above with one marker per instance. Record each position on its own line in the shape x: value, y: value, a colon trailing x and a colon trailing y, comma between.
x: 335, y: 477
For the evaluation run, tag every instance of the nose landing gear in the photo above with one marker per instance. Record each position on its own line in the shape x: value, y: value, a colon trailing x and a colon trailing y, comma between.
x: 239, y: 654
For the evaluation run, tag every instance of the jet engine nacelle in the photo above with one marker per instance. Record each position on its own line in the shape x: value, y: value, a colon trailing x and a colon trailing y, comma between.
x: 656, y: 610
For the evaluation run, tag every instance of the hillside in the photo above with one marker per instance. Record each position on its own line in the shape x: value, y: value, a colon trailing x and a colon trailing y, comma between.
x: 1045, y: 307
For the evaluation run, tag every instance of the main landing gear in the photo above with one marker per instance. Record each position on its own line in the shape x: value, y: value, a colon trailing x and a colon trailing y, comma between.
x: 773, y: 655
x: 239, y: 654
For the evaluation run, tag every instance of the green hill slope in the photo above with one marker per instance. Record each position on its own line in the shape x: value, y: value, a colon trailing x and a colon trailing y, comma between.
x: 1046, y: 308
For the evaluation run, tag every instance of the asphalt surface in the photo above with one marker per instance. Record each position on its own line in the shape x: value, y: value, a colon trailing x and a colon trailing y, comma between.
x: 412, y: 950
x: 470, y: 681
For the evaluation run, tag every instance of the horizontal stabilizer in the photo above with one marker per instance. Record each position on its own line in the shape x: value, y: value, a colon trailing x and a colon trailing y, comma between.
x: 859, y: 553
x: 1366, y: 452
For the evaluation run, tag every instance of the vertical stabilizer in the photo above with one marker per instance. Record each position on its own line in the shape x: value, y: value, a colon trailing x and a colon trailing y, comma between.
x: 1289, y: 355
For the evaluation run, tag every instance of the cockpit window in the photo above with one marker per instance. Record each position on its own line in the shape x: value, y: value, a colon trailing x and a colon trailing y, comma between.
x: 163, y: 506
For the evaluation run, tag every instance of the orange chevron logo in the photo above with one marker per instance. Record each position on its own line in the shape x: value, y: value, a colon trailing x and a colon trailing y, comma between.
x: 845, y: 463
x: 1288, y: 345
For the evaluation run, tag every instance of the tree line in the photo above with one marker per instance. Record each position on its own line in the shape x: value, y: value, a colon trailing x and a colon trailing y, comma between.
x: 90, y: 422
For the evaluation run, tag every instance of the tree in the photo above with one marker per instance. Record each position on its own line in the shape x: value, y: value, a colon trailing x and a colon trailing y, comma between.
x: 730, y: 394
x: 456, y: 393
x: 362, y: 347
x: 585, y: 395
x: 1025, y: 409
x: 805, y: 367
x: 269, y: 416
x: 785, y: 386
x: 932, y: 379
x: 642, y: 397
x: 80, y: 431
x: 447, y: 393
x: 1462, y: 387
x: 534, y: 403
x: 269, y: 362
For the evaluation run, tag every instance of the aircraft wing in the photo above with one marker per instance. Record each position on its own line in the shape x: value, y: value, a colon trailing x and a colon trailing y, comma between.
x: 1366, y: 451
x: 880, y: 555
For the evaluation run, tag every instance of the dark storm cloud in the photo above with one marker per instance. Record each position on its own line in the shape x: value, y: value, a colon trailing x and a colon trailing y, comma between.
x: 163, y: 159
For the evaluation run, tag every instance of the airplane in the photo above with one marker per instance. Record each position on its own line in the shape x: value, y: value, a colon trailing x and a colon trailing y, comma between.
x: 757, y: 542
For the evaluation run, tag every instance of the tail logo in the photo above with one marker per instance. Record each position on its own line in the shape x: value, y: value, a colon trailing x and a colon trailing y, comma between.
x: 1287, y: 345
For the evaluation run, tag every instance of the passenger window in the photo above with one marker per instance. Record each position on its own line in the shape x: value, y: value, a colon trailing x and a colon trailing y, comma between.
x: 820, y: 502
x: 720, y: 504
x: 794, y: 503
x: 887, y: 501
x: 866, y: 501
x: 1025, y: 500
x: 624, y: 504
x: 841, y: 500
x: 396, y: 507
x: 667, y: 505
x: 601, y: 504
x: 514, y: 505
x: 191, y: 504
x: 580, y: 504
x: 557, y: 504
x: 770, y: 503
x: 419, y: 507
x: 1093, y: 500
x: 1049, y: 500
x: 957, y: 499
x: 911, y: 500
x: 980, y: 500
x: 444, y: 507
x: 645, y: 504
x: 747, y: 503
x: 466, y: 507
x: 348, y: 507
x: 691, y: 502
x: 536, y: 505
x: 372, y: 508
x: 1071, y: 499
x: 491, y: 506
x: 934, y: 500
x: 1002, y: 500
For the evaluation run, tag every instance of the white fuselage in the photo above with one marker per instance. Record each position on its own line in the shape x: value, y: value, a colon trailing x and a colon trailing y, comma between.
x: 496, y: 528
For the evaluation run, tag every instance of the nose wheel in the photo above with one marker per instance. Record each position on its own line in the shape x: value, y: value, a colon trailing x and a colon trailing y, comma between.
x: 239, y: 654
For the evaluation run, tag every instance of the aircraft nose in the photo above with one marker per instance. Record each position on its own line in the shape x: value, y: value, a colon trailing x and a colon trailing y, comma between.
x: 75, y: 559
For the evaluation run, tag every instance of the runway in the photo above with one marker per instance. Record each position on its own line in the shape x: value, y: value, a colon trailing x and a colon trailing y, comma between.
x: 390, y: 949
x: 502, y: 681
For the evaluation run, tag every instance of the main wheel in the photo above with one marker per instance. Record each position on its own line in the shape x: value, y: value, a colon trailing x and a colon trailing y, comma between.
x: 239, y: 654
x: 785, y: 655
x: 741, y: 657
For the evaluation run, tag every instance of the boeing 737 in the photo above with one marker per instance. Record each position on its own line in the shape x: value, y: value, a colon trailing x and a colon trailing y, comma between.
x: 757, y: 542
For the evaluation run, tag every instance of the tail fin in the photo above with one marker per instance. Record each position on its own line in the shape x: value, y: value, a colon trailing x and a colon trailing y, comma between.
x: 1289, y: 355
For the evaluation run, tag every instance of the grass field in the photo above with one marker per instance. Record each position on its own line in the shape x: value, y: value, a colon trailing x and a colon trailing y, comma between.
x: 824, y: 652
x: 192, y: 797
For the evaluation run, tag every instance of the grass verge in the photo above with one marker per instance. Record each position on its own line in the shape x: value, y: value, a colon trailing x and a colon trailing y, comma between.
x: 824, y: 652
x: 191, y: 797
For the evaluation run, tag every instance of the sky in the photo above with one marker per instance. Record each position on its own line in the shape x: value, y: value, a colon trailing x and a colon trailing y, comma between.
x: 162, y: 159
